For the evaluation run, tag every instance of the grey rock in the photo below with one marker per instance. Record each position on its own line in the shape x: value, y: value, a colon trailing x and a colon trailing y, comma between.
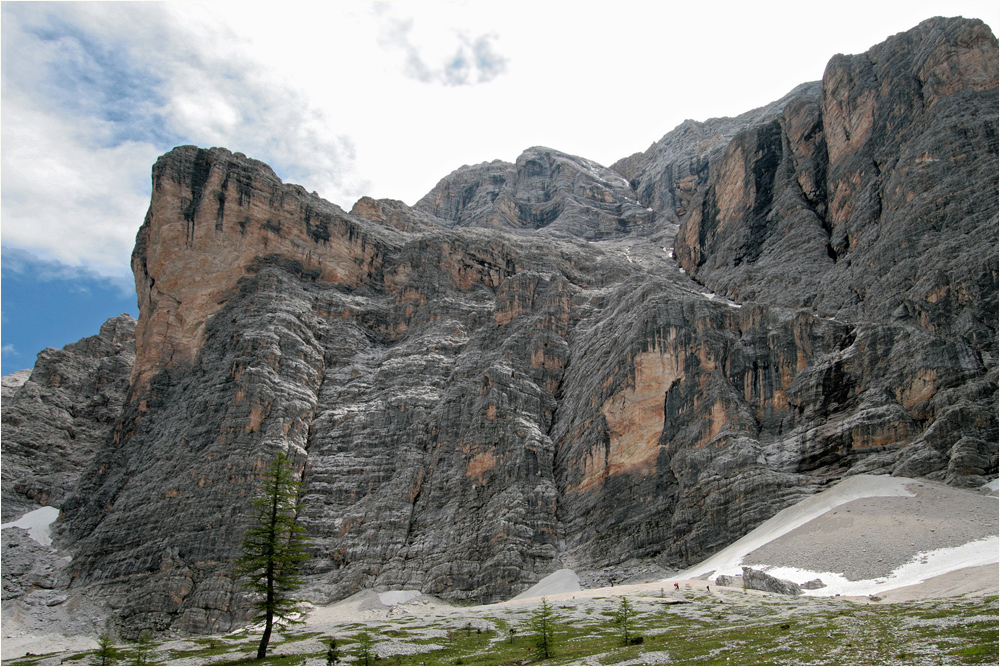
x: 55, y: 417
x: 762, y: 581
x: 547, y: 191
x: 515, y: 375
x: 9, y: 384
x: 27, y: 565
x: 729, y: 581
x: 859, y: 185
x: 813, y: 585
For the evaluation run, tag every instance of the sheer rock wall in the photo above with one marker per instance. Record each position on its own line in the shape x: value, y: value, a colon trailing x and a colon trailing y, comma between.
x: 549, y: 363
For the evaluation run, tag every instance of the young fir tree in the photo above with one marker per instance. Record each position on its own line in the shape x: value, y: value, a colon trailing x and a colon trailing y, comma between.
x: 623, y: 619
x: 366, y: 649
x: 106, y: 653
x: 543, y: 625
x: 274, y: 548
x: 332, y: 653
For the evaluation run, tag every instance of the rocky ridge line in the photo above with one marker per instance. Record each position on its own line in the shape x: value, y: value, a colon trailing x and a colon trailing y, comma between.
x: 519, y: 373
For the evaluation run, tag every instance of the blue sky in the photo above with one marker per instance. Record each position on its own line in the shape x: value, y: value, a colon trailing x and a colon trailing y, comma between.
x: 352, y: 99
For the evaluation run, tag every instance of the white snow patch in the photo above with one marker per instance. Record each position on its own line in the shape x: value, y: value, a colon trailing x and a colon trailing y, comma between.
x: 730, y: 560
x: 992, y: 486
x: 38, y: 523
x: 721, y: 299
x: 560, y: 581
x: 924, y: 565
x: 392, y: 598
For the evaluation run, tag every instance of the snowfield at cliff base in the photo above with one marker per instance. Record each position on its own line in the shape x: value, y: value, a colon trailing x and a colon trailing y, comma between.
x: 910, y: 567
x: 956, y: 553
x: 38, y: 524
x: 905, y: 571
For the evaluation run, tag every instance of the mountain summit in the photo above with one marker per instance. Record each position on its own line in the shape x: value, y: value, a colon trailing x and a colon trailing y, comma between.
x: 551, y: 363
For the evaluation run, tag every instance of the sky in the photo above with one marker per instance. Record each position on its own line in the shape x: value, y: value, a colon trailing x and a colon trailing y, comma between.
x: 350, y: 99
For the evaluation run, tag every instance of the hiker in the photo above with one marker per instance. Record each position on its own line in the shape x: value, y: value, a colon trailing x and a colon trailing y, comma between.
x: 677, y: 586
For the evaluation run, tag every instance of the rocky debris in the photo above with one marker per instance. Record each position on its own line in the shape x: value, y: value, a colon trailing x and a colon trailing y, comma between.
x: 629, y: 572
x: 762, y: 581
x: 519, y: 374
x: 56, y: 416
x: 729, y: 581
x: 869, y: 538
x: 29, y: 566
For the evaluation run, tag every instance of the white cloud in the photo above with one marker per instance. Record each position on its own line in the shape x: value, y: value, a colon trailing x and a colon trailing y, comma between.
x: 75, y: 278
x: 436, y: 54
x: 65, y: 198
x: 88, y: 106
x: 381, y: 99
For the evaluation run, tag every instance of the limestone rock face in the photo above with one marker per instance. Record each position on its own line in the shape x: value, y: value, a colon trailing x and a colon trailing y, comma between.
x: 881, y: 190
x: 545, y: 190
x: 551, y: 364
x: 762, y: 581
x: 56, y: 416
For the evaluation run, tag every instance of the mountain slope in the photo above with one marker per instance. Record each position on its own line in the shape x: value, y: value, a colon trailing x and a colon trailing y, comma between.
x: 551, y: 363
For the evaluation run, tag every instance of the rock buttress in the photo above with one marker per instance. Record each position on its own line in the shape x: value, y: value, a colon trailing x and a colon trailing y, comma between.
x: 518, y: 374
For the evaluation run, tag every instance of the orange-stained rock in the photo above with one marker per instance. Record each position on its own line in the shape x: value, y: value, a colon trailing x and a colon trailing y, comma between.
x: 551, y: 363
x: 213, y: 218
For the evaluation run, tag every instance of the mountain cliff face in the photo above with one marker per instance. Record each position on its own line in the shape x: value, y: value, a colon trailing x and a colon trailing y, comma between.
x: 551, y: 363
x: 56, y: 416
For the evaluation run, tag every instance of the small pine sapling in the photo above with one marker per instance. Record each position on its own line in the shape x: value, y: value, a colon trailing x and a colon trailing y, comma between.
x: 106, y: 653
x: 366, y: 649
x: 543, y: 625
x: 623, y: 619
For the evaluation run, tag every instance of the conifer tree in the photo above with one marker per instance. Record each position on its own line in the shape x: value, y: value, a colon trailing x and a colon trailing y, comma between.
x: 623, y: 619
x: 543, y: 625
x: 106, y: 653
x: 366, y: 649
x: 274, y: 548
x: 143, y: 648
x: 332, y: 653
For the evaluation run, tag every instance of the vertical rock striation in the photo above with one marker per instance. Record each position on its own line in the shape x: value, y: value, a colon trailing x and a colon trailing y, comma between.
x: 550, y: 363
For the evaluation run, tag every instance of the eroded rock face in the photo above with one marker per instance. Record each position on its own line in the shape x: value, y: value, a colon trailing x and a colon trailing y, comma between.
x: 56, y: 416
x: 519, y: 373
x: 881, y: 192
x: 545, y: 190
x: 762, y: 581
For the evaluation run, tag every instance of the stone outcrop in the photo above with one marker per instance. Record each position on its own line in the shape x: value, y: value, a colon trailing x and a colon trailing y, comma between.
x: 545, y: 190
x: 876, y: 188
x: 551, y: 364
x: 729, y: 581
x: 762, y: 581
x: 56, y: 416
